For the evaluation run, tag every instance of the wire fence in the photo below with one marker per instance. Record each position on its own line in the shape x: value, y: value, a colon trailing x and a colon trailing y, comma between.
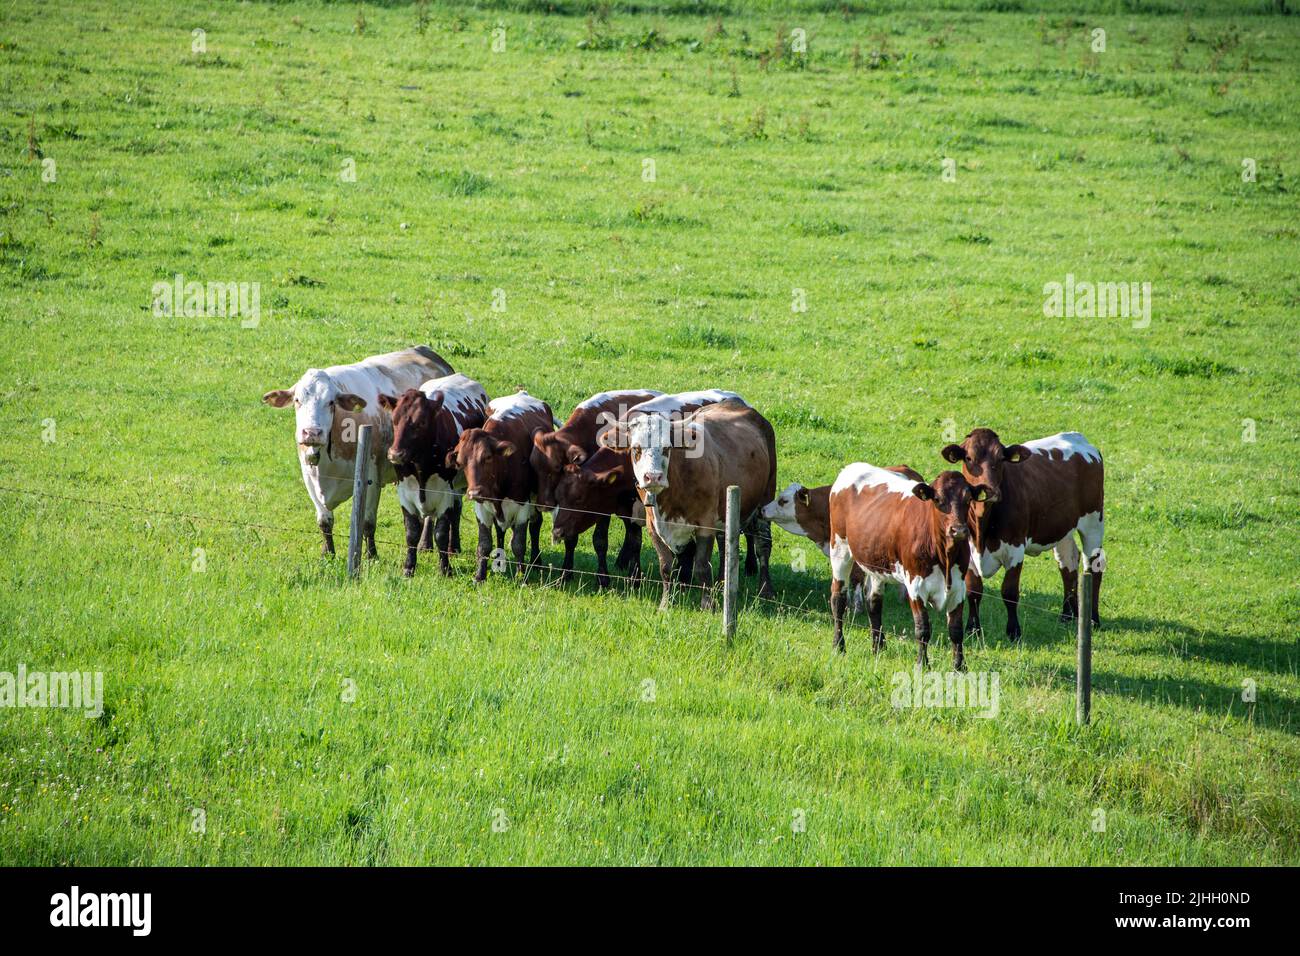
x: 495, y: 557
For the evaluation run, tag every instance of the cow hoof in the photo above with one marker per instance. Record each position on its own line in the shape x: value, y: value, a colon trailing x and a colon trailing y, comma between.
x: 445, y: 571
x: 1013, y: 636
x: 408, y: 572
x: 1066, y: 616
x: 976, y: 628
x: 1096, y: 622
x: 767, y: 592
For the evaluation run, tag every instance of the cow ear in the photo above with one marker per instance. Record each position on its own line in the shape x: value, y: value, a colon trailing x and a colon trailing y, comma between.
x: 1018, y: 453
x: 923, y: 491
x: 612, y: 437
x: 979, y: 494
x: 452, y: 461
x: 953, y: 453
x: 387, y: 401
x: 577, y: 455
x: 610, y: 477
x: 803, y: 497
x: 506, y: 449
x: 349, y: 402
x: 278, y: 398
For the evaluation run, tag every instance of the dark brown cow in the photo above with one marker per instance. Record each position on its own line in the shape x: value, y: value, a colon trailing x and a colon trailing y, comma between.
x: 807, y: 513
x: 560, y: 453
x: 1039, y: 494
x: 683, y: 470
x: 501, y: 483
x: 895, y: 528
x: 427, y: 424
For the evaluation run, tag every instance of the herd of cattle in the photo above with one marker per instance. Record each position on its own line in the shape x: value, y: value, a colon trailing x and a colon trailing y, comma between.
x: 441, y: 440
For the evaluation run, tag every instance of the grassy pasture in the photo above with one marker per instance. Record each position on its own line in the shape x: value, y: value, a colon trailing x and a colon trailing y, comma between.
x: 589, y: 728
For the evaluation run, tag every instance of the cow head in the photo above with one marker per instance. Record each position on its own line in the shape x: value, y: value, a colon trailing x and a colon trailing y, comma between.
x: 550, y: 454
x: 483, y: 459
x: 790, y: 509
x: 315, y: 397
x: 983, y: 459
x: 415, y: 421
x: 953, y: 498
x: 650, y: 441
x: 581, y: 496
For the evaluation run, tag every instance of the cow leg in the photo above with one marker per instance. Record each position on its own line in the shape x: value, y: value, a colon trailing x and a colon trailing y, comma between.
x: 857, y: 579
x: 413, y: 525
x: 974, y: 594
x: 752, y: 559
x: 372, y: 511
x: 441, y: 535
x: 629, y: 556
x: 921, y: 624
x: 566, y: 569
x: 325, y: 521
x: 666, y: 571
x: 955, y: 634
x: 535, y: 536
x: 875, y: 603
x: 426, y: 535
x: 1011, y: 598
x: 518, y: 550
x: 686, y: 563
x: 455, y: 526
x: 484, y: 552
x: 501, y: 537
x: 1067, y: 560
x: 838, y: 601
x: 841, y: 571
x: 760, y: 540
x: 704, y: 567
x: 600, y: 542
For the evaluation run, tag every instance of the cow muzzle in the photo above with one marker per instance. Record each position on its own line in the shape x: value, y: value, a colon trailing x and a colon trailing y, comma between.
x: 653, y: 482
x: 959, y: 532
x: 396, y: 457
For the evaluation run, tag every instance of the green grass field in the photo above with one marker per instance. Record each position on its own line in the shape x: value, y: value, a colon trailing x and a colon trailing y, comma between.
x: 315, y: 720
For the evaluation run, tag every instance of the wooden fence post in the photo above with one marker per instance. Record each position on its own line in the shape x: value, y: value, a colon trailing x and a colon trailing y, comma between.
x: 731, y: 563
x: 359, y: 489
x: 1083, y: 677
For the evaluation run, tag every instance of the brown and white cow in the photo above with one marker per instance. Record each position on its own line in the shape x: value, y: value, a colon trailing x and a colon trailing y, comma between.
x: 896, y: 528
x: 330, y: 405
x: 427, y: 424
x: 683, y: 470
x: 500, y: 482
x: 558, y: 454
x: 1039, y: 495
x: 605, y: 482
x: 807, y: 513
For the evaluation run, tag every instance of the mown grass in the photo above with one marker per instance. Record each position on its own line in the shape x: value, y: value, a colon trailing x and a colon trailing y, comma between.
x: 522, y: 171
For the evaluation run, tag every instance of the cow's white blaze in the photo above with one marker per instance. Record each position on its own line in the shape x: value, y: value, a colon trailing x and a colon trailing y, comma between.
x: 1067, y: 443
x: 860, y: 475
x: 649, y: 440
x: 313, y: 395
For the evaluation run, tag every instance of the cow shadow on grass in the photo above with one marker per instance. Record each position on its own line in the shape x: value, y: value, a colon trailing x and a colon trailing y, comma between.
x: 1246, y: 653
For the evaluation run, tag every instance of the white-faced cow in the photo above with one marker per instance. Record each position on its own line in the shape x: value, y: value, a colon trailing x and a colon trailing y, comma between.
x: 605, y: 482
x: 500, y: 481
x: 683, y: 470
x: 427, y: 424
x: 807, y: 512
x: 330, y: 405
x: 562, y: 452
x: 896, y: 528
x: 1039, y: 495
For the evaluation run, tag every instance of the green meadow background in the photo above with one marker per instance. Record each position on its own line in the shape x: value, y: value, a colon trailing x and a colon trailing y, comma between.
x: 261, y: 709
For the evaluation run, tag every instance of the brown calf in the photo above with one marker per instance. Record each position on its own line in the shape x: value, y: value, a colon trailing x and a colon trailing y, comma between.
x: 500, y: 481
x: 807, y: 512
x: 558, y: 455
x: 427, y: 424
x: 1039, y: 494
x: 896, y: 528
